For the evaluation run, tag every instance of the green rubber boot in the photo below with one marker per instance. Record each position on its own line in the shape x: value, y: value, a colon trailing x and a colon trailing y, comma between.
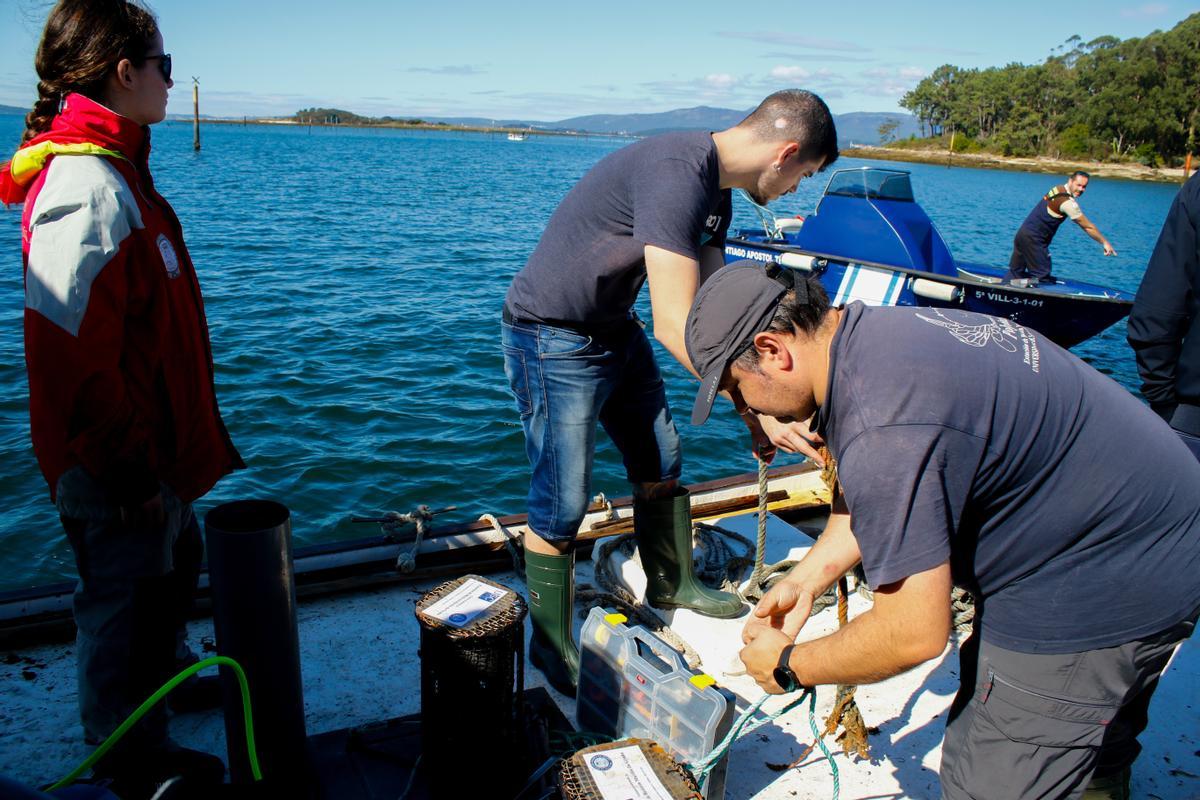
x: 552, y: 648
x: 1110, y: 787
x: 664, y: 539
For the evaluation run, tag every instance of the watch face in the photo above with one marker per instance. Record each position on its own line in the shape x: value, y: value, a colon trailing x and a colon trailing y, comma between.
x: 785, y: 678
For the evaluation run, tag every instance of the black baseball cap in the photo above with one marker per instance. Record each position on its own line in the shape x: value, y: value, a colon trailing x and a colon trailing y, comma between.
x: 733, y: 306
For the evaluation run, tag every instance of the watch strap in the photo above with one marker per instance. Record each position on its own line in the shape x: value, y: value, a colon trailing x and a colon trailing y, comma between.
x: 784, y: 668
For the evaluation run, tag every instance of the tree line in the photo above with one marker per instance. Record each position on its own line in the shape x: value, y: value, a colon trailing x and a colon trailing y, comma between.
x: 1108, y: 99
x: 337, y: 116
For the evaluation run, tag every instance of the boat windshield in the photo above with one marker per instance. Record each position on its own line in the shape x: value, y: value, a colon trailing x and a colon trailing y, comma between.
x: 871, y: 183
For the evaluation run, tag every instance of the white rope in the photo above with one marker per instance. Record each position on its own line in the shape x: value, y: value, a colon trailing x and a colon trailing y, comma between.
x: 407, y: 561
x: 512, y: 542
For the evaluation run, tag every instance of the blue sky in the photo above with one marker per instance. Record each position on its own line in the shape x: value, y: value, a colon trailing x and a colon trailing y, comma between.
x: 547, y: 61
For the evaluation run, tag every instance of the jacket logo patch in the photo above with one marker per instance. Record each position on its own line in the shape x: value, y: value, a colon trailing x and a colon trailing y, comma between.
x: 170, y: 259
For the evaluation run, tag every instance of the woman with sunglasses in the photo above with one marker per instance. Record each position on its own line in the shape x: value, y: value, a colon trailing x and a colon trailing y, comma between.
x: 123, y: 410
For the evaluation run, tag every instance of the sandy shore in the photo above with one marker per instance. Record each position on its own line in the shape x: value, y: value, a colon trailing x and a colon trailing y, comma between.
x: 1132, y: 172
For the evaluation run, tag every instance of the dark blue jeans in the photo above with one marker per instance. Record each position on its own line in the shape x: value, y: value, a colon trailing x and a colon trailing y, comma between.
x: 564, y: 381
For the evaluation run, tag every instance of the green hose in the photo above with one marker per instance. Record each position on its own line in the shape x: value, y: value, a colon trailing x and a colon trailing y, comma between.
x: 166, y: 689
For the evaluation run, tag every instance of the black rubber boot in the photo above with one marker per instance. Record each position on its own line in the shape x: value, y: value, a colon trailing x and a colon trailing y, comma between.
x: 138, y: 774
x: 664, y: 539
x: 552, y: 648
x: 1109, y: 787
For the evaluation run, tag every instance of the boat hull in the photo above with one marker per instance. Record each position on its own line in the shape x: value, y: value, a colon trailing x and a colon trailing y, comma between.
x: 1067, y: 313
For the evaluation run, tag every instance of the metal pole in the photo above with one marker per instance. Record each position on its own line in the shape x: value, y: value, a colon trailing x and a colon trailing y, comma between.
x: 195, y: 113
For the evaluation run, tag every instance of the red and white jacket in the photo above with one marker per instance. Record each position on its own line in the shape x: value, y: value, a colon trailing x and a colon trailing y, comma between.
x: 116, y: 341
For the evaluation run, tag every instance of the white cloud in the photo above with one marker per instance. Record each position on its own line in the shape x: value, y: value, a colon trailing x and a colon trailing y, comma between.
x: 790, y: 73
x: 720, y: 80
x: 913, y: 72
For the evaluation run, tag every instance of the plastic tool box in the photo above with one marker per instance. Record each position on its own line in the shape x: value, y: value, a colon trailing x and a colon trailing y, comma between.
x: 632, y: 684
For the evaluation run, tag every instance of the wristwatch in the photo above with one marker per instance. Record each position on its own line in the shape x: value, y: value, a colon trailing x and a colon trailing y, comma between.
x: 783, y: 674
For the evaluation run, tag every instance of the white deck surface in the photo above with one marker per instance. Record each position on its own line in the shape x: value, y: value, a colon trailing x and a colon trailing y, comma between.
x: 360, y: 664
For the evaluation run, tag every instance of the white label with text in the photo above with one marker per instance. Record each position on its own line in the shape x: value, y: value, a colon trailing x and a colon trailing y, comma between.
x: 623, y: 773
x: 465, y: 603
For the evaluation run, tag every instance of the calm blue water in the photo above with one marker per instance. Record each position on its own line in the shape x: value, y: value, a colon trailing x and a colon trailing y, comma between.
x: 353, y: 282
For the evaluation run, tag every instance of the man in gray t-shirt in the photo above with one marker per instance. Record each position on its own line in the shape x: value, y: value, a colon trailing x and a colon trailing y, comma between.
x: 971, y: 451
x: 654, y: 212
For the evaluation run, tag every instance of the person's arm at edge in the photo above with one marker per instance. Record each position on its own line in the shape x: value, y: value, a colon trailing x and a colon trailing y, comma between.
x: 1160, y: 315
x: 1091, y: 230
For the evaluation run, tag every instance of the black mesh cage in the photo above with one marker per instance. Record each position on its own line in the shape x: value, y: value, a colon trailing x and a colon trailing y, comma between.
x: 576, y: 782
x: 471, y: 680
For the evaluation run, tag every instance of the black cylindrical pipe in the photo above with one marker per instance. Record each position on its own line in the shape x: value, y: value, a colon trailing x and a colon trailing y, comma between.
x: 254, y: 613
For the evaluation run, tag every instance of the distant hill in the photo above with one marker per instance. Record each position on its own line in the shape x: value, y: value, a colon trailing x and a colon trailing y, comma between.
x: 859, y: 127
x: 13, y: 110
x: 862, y: 127
x: 682, y: 119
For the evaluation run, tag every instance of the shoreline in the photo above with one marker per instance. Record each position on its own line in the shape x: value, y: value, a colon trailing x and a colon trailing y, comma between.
x: 427, y: 126
x: 1097, y: 169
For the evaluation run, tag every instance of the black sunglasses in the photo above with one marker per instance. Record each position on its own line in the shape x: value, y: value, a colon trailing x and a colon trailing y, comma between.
x: 164, y: 64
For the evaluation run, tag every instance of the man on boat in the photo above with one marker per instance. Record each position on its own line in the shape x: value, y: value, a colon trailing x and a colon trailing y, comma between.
x: 946, y: 485
x: 575, y: 353
x: 1031, y: 246
x: 1164, y: 327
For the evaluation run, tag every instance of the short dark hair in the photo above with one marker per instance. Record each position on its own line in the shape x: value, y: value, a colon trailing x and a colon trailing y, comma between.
x: 792, y: 316
x: 798, y: 116
x: 1080, y: 174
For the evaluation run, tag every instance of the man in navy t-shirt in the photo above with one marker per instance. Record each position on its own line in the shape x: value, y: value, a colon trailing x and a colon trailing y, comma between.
x: 973, y: 451
x: 654, y: 212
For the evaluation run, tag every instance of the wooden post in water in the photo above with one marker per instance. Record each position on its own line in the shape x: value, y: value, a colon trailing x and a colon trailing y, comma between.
x: 195, y: 113
x: 1187, y: 167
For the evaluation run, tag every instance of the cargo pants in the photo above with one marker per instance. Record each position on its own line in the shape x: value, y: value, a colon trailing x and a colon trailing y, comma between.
x: 134, y: 594
x: 1034, y: 725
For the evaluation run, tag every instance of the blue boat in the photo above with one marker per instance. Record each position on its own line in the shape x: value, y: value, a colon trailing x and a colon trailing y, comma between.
x: 870, y: 240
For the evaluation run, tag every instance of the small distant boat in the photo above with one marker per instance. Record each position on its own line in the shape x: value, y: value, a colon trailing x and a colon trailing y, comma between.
x: 870, y: 240
x: 517, y: 136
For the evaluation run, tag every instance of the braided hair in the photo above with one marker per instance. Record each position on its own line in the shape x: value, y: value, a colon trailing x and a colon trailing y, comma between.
x: 81, y: 44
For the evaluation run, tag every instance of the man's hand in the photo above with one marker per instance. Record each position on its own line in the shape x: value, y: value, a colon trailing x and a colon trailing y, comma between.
x: 145, y: 517
x: 1108, y: 250
x: 792, y: 437
x: 785, y: 608
x: 761, y: 656
x: 760, y: 444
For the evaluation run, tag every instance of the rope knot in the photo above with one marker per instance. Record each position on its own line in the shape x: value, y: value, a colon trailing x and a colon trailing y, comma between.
x: 393, y: 521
